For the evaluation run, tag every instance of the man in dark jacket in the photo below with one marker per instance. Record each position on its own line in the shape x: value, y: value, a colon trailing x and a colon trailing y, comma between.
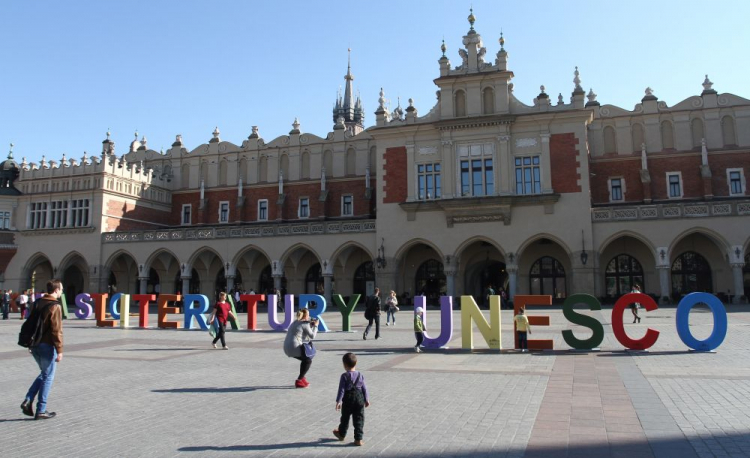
x: 48, y: 353
x: 372, y: 309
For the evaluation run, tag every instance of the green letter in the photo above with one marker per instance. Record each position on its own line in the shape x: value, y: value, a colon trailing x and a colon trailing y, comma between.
x: 583, y: 320
x: 346, y: 310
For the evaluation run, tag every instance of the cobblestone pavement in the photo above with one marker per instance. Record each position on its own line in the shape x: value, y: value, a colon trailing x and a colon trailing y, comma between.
x: 167, y: 392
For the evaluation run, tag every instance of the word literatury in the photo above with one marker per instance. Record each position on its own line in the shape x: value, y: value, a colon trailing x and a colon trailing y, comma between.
x: 196, y: 307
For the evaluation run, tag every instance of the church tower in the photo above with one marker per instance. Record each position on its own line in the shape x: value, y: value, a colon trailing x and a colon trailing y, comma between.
x: 347, y: 108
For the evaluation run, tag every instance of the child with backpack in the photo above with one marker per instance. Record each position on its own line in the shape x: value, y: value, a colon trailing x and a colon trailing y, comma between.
x: 419, y: 328
x: 351, y: 400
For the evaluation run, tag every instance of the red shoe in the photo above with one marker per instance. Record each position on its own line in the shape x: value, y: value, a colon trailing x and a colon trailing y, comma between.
x: 301, y: 383
x: 304, y: 380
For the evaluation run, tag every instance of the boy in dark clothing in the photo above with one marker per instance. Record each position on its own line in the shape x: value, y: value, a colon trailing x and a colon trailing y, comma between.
x: 351, y: 400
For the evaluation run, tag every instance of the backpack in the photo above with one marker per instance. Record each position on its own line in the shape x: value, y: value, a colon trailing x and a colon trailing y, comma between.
x: 32, y: 329
x: 354, y: 396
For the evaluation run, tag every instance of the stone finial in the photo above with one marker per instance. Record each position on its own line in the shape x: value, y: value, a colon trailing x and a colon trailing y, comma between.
x: 108, y: 134
x: 649, y: 91
x: 560, y: 99
x: 591, y: 96
x: 339, y: 123
x: 64, y: 161
x: 443, y: 48
x: 501, y: 41
x: 10, y: 152
x: 143, y: 142
x: 295, y: 127
x: 254, y: 133
x: 471, y: 18
x: 708, y: 87
x: 85, y: 158
x: 576, y: 79
x: 649, y: 95
x: 216, y: 132
x: 381, y: 100
x: 43, y: 162
x: 24, y: 164
x: 542, y: 94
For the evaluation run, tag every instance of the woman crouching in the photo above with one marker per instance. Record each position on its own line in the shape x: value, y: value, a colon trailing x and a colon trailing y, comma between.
x: 302, y: 328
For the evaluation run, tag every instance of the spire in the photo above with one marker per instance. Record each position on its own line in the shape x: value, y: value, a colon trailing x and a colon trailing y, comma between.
x: 577, y: 81
x: 349, y: 108
x: 471, y: 19
x: 348, y: 91
x: 10, y: 153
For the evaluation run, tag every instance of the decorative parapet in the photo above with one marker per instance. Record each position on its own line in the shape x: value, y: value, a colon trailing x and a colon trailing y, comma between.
x: 670, y: 211
x: 223, y: 232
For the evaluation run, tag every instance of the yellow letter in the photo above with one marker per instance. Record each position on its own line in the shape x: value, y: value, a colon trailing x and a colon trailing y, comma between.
x: 490, y: 331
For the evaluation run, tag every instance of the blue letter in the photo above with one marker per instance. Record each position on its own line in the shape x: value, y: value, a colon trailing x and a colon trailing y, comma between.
x: 196, y: 312
x: 320, y: 303
x: 720, y: 321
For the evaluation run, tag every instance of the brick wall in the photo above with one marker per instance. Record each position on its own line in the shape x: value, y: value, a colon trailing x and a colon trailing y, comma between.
x: 394, y: 175
x: 288, y: 211
x: 564, y: 161
x: 689, y: 165
x: 127, y: 216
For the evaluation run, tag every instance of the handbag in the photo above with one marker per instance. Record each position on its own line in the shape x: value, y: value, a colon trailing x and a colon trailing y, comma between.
x: 309, y: 349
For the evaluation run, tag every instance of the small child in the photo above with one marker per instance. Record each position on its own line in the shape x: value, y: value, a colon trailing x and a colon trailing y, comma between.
x: 419, y: 328
x: 351, y: 400
x: 523, y: 327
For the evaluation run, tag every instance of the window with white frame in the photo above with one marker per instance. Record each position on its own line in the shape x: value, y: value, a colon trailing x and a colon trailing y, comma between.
x: 80, y: 212
x: 616, y: 189
x: 475, y: 166
x: 736, y: 182
x: 38, y: 215
x: 429, y: 182
x: 263, y: 210
x: 4, y: 220
x: 59, y: 213
x: 528, y: 175
x: 347, y: 205
x: 224, y: 211
x: 187, y: 211
x: 304, y: 208
x: 674, y: 185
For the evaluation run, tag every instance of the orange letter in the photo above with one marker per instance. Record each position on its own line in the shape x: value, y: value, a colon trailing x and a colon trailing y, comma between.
x: 143, y: 300
x: 161, y: 306
x: 100, y: 309
x: 525, y: 302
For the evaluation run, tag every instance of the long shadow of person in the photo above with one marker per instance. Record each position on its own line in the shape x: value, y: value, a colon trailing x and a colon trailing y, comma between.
x: 322, y: 442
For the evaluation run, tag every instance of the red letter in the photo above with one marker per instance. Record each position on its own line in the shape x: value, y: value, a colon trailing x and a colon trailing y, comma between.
x: 252, y: 309
x: 143, y: 300
x: 161, y: 306
x: 619, y: 328
x: 531, y: 300
x: 100, y: 309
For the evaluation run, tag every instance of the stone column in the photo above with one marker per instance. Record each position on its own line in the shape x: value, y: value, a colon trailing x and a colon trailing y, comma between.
x: 450, y: 280
x: 143, y: 284
x: 739, y: 283
x: 277, y: 281
x: 664, y: 284
x: 512, y: 270
x: 185, y: 285
x: 327, y: 277
x: 230, y: 284
x: 546, y: 165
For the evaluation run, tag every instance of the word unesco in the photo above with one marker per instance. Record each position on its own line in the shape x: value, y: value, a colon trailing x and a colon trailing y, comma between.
x: 196, y: 306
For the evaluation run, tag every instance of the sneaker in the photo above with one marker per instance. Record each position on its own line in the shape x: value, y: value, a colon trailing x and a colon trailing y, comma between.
x: 386, y: 324
x: 27, y: 408
x: 359, y: 442
x: 225, y: 348
x: 338, y: 435
x: 364, y: 336
x: 214, y: 345
x: 299, y: 384
x: 305, y: 382
x: 44, y: 415
x: 417, y: 349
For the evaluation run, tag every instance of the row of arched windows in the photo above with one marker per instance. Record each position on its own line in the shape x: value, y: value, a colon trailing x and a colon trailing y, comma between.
x: 305, y: 172
x: 667, y: 134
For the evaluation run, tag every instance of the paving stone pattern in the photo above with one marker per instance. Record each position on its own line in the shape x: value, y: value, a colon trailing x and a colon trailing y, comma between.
x: 134, y: 393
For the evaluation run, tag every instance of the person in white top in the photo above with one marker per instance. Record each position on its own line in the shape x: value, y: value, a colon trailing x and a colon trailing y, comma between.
x: 23, y: 301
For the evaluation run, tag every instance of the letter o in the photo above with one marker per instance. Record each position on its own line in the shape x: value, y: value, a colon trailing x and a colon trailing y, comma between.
x: 720, y: 321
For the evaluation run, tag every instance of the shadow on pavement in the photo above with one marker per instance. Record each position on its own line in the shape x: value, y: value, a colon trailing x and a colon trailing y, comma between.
x: 323, y: 441
x: 229, y: 389
x: 161, y: 349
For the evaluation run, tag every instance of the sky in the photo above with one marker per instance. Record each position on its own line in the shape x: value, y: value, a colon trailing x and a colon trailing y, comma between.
x: 71, y: 70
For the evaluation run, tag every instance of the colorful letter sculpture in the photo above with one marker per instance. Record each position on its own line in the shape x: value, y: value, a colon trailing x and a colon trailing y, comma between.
x: 583, y: 320
x: 83, y: 304
x: 194, y: 315
x: 234, y: 324
x: 142, y: 300
x: 100, y: 310
x: 534, y: 320
x: 252, y: 308
x: 163, y: 310
x: 720, y: 321
x: 288, y: 312
x: 119, y: 308
x: 490, y: 331
x: 446, y: 321
x: 618, y: 328
x: 346, y: 310
x: 64, y: 304
x: 317, y: 312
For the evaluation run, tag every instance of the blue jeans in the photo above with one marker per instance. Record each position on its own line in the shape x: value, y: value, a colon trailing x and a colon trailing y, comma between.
x: 45, y: 355
x: 390, y: 314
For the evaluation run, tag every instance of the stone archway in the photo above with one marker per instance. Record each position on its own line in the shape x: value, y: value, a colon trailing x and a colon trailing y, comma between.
x: 296, y: 263
x: 710, y: 252
x: 624, y: 261
x: 481, y: 266
x: 73, y: 273
x: 544, y: 267
x: 421, y: 270
x: 352, y: 272
x: 37, y: 272
x: 163, y: 266
x: 123, y: 274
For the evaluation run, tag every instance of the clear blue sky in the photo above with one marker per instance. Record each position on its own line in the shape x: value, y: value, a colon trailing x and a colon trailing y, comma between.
x: 70, y: 70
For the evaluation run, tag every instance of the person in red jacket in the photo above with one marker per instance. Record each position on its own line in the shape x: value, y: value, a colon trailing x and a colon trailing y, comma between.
x: 222, y: 311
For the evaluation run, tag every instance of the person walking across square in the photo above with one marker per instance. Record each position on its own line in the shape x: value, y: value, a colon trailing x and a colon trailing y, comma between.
x: 47, y: 353
x: 222, y: 311
x: 419, y: 328
x: 372, y: 313
x: 522, y: 327
x: 351, y: 400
